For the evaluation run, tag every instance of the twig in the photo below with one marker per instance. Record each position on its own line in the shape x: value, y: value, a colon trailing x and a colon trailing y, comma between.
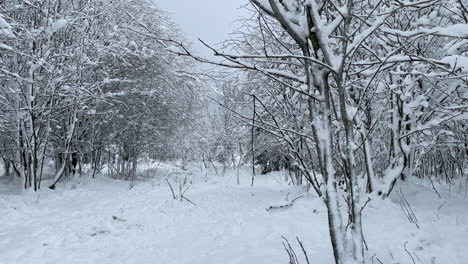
x: 365, y: 204
x: 172, y: 190
x: 438, y: 209
x: 433, y: 187
x: 183, y: 197
x: 303, y: 250
x: 407, y: 210
x: 414, y: 262
x: 291, y: 253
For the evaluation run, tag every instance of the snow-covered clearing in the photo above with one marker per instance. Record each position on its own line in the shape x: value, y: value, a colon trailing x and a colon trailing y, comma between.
x: 103, y: 221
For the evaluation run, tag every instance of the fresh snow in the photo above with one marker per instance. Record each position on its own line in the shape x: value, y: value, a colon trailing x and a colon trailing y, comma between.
x: 457, y: 62
x: 57, y: 25
x: 5, y: 28
x: 103, y: 221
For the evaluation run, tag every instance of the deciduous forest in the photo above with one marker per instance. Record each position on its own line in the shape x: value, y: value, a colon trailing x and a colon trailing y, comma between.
x: 319, y: 131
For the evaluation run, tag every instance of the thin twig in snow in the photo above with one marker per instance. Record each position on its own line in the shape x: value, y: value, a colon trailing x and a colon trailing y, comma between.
x: 433, y: 187
x: 414, y: 262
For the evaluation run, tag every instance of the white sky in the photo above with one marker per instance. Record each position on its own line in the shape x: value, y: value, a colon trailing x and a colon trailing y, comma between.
x: 210, y: 20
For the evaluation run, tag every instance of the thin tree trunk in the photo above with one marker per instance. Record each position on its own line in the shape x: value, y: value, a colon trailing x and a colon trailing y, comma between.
x: 252, y: 142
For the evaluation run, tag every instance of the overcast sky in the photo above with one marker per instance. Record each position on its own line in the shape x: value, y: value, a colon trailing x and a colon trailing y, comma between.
x: 210, y: 20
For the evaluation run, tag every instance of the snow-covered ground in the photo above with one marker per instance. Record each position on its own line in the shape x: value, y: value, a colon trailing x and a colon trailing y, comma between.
x: 104, y: 221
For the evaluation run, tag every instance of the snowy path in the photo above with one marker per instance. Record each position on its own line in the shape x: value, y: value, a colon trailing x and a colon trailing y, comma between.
x: 228, y: 225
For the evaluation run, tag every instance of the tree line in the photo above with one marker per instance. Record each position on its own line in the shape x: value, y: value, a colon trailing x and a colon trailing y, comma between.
x: 81, y: 84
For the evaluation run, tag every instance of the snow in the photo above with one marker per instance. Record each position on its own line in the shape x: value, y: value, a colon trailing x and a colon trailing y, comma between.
x: 455, y: 47
x: 456, y: 31
x: 103, y: 221
x: 6, y: 47
x: 58, y: 24
x: 173, y: 49
x: 360, y: 38
x: 5, y: 28
x: 457, y: 62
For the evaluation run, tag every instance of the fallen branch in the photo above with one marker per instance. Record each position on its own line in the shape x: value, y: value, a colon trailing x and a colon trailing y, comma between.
x: 284, y: 206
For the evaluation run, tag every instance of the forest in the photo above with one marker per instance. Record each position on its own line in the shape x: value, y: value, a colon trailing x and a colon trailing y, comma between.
x: 319, y: 131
